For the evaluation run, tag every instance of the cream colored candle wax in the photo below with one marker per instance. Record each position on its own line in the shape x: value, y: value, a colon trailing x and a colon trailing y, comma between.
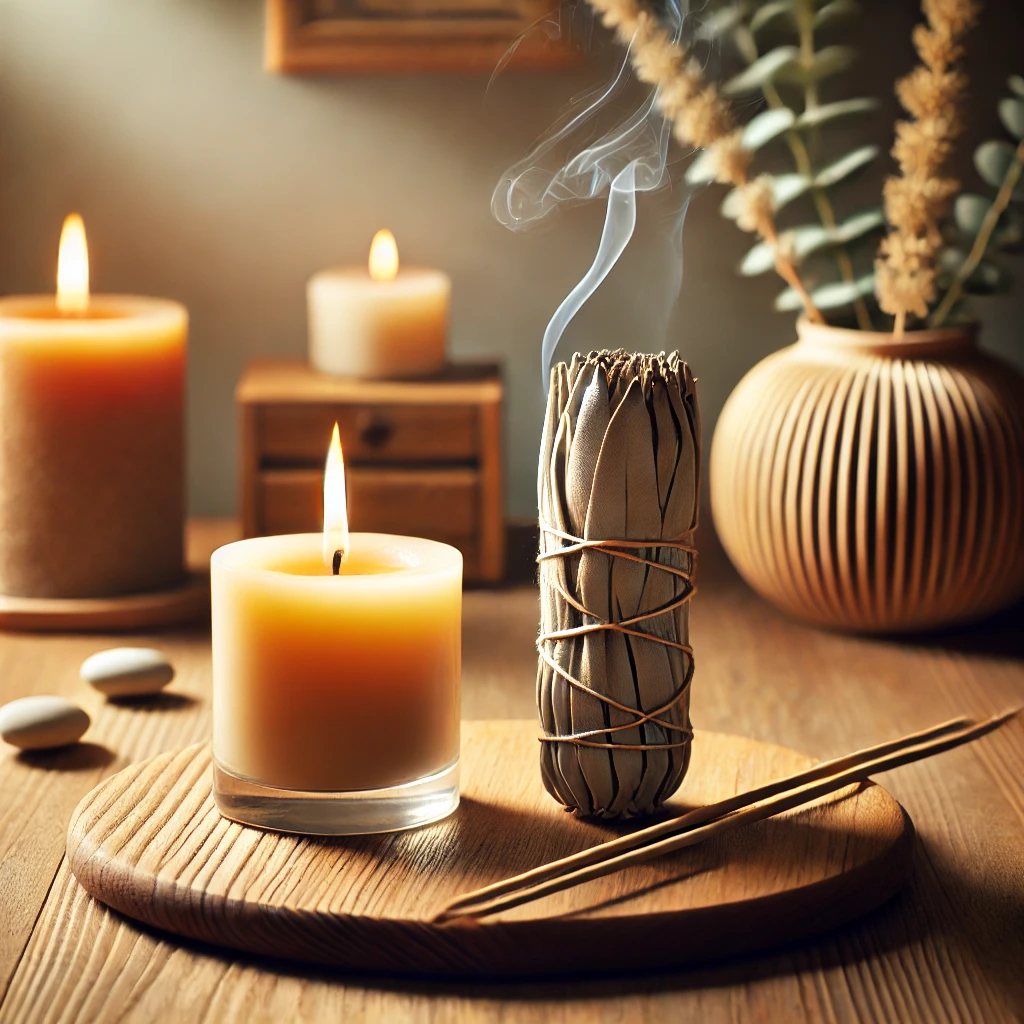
x: 381, y: 322
x: 91, y: 439
x: 336, y: 658
x: 336, y: 683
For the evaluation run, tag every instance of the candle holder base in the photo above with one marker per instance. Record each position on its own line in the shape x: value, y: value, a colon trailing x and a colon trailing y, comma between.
x: 158, y: 609
x: 344, y: 813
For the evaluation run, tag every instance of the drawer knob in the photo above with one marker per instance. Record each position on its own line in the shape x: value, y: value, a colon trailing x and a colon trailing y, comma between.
x: 376, y: 433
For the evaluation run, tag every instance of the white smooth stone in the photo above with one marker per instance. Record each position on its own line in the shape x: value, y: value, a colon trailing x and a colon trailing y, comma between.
x: 35, y: 723
x: 128, y: 671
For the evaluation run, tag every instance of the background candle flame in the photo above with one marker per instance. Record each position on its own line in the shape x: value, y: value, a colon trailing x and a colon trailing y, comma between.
x: 73, y: 267
x: 335, y: 503
x: 383, y: 256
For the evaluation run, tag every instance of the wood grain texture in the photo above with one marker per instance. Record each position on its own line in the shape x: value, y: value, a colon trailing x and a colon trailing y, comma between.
x: 493, y: 532
x: 373, y: 431
x: 292, y: 380
x: 463, y: 37
x: 947, y: 949
x: 150, y: 843
x: 423, y: 457
x: 444, y: 504
x: 867, y: 485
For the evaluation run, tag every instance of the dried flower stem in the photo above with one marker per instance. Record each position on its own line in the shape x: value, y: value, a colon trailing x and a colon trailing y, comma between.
x: 917, y: 199
x: 899, y: 324
x: 786, y: 269
x: 701, y: 117
x: 988, y: 225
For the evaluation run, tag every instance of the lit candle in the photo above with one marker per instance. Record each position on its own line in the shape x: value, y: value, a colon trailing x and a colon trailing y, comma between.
x: 336, y: 680
x: 91, y: 438
x: 379, y: 321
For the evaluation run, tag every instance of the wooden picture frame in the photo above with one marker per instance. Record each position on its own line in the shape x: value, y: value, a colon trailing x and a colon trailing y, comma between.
x: 374, y: 36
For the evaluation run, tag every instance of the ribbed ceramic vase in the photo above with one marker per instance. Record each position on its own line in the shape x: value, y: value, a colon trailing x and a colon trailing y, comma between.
x: 872, y: 485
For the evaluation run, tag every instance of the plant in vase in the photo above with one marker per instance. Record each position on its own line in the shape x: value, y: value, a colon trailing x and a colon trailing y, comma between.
x: 864, y: 478
x: 834, y: 253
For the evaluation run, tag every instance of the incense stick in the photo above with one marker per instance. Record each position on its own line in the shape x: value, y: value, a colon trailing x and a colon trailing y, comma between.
x: 705, y: 822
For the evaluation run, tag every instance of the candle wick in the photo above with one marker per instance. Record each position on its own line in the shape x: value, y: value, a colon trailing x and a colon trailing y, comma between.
x: 336, y: 564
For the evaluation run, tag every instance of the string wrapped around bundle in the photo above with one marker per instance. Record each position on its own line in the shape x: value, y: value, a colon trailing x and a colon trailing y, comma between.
x: 619, y: 492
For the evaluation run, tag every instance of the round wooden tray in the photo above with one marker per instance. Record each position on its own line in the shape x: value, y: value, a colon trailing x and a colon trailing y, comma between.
x: 174, y: 607
x: 150, y: 843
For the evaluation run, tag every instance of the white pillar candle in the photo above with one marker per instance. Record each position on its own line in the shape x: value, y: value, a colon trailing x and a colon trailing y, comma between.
x: 381, y: 321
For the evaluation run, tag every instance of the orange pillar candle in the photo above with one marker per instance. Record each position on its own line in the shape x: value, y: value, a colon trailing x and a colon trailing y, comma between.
x: 91, y: 438
x: 336, y: 696
x: 381, y: 320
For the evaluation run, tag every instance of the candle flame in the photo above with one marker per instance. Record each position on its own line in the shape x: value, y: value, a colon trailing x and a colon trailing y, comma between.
x: 383, y: 256
x: 73, y: 267
x: 335, y: 506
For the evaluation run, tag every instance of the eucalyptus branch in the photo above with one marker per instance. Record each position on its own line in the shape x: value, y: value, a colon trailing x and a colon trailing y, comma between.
x: 805, y: 29
x: 701, y: 118
x: 821, y: 201
x: 982, y: 239
x: 747, y: 45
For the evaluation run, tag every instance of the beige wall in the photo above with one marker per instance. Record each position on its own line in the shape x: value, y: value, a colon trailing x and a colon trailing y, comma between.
x: 202, y: 178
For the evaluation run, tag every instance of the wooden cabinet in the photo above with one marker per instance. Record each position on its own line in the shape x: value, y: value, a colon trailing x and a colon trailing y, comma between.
x: 422, y: 457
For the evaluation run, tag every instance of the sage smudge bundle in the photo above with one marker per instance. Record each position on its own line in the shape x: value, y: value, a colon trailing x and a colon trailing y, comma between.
x: 619, y: 491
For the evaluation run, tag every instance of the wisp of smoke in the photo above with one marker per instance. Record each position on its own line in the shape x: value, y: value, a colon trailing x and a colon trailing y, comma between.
x: 631, y: 157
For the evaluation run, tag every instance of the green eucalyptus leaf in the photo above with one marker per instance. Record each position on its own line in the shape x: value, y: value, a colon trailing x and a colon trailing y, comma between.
x: 701, y: 169
x: 829, y: 296
x: 1009, y: 233
x: 969, y: 211
x: 845, y: 166
x: 759, y: 260
x: 859, y: 225
x: 761, y: 72
x: 721, y: 22
x: 1016, y: 84
x: 806, y: 239
x: 785, y: 188
x: 825, y: 63
x: 767, y: 125
x: 767, y: 13
x: 951, y: 258
x: 986, y: 278
x: 835, y: 11
x: 1011, y: 113
x: 731, y: 204
x: 810, y: 238
x: 789, y: 301
x: 830, y: 111
x: 992, y: 160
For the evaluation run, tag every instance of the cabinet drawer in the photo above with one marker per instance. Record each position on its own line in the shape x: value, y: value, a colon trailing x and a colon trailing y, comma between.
x: 369, y: 433
x: 440, y: 504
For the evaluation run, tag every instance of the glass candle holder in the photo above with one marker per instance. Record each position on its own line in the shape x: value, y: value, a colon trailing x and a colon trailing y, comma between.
x: 336, y: 697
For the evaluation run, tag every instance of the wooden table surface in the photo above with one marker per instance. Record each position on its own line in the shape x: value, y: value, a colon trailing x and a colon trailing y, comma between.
x: 949, y: 948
